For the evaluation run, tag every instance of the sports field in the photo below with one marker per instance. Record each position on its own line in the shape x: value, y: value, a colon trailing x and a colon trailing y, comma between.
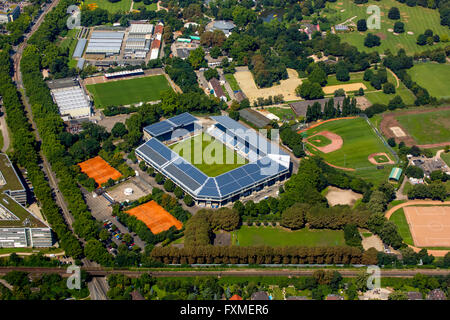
x: 427, y: 128
x: 429, y: 226
x: 215, y: 158
x: 276, y: 236
x: 155, y: 217
x: 125, y: 92
x: 398, y: 217
x: 434, y: 77
x: 416, y: 19
x: 359, y: 142
x: 122, y: 5
x: 99, y: 170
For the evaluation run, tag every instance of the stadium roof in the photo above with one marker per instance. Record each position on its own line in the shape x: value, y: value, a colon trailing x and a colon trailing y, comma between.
x: 196, y: 182
x: 70, y: 98
x: 170, y: 124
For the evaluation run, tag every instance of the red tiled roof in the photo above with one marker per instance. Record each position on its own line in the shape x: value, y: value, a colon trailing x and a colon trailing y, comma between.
x: 235, y: 297
x: 156, y: 44
x: 159, y: 29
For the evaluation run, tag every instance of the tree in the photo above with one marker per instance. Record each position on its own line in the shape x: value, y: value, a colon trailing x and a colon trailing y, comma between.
x: 414, y: 172
x: 342, y: 73
x: 398, y: 295
x: 188, y: 200
x: 310, y: 90
x: 395, y: 103
x: 197, y: 58
x: 119, y: 130
x: 169, y: 186
x: 318, y: 75
x: 179, y: 193
x: 362, y: 25
x: 391, y: 142
x: 211, y: 73
x: 159, y: 178
x: 394, y: 13
x: 422, y: 40
x: 372, y: 40
x: 399, y: 27
x: 215, y: 52
x: 294, y: 217
x: 388, y: 88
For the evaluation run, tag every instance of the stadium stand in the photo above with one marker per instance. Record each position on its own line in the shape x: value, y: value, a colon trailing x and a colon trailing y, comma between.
x: 267, y: 163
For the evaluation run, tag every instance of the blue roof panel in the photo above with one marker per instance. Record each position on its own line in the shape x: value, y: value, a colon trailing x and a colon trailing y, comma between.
x: 183, y: 119
x: 159, y: 128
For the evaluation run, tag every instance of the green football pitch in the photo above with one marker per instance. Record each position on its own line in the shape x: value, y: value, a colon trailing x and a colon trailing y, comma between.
x: 213, y: 158
x: 274, y: 236
x: 125, y: 92
x: 359, y: 141
x: 112, y: 7
x: 427, y: 128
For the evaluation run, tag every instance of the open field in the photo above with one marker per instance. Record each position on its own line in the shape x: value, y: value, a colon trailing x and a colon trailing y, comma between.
x: 434, y: 77
x: 155, y: 217
x: 216, y: 157
x: 283, y: 113
x: 446, y: 157
x: 429, y: 226
x: 402, y: 91
x: 150, y: 7
x: 125, y: 92
x: 427, y: 128
x: 275, y: 236
x: 359, y: 142
x: 416, y: 19
x: 398, y: 217
x: 232, y: 81
x: 122, y: 5
x: 286, y: 87
x: 99, y: 170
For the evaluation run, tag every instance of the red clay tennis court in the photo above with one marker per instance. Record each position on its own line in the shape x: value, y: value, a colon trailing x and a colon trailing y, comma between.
x: 99, y: 170
x: 429, y: 226
x: 155, y: 217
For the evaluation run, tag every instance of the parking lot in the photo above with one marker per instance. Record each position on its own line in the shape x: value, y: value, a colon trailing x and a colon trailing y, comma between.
x: 102, y: 210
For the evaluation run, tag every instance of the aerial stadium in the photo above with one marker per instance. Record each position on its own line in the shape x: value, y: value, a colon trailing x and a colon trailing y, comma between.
x: 217, y: 163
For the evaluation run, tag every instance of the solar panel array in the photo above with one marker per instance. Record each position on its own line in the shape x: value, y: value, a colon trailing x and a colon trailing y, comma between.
x: 170, y: 124
x: 261, y: 167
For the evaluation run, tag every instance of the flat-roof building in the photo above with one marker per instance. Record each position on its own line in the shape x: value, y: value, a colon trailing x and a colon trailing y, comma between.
x: 9, y: 12
x: 105, y: 42
x: 70, y: 97
x: 18, y: 226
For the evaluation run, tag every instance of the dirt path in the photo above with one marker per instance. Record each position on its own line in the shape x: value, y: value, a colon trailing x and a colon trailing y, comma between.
x: 395, y: 76
x: 436, y: 253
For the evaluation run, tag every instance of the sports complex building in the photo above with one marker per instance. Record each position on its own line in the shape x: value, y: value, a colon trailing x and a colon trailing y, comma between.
x: 266, y: 163
x: 18, y: 226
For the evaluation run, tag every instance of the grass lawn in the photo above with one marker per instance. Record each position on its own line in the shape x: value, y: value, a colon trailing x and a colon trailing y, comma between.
x: 446, y: 157
x: 271, y: 236
x: 430, y: 127
x: 416, y: 19
x: 125, y: 92
x: 217, y: 158
x: 355, y: 77
x: 122, y: 5
x: 232, y: 81
x: 359, y: 142
x: 319, y: 141
x: 381, y: 159
x: 434, y: 77
x: 150, y: 7
x: 398, y: 217
x: 283, y: 113
x: 383, y: 98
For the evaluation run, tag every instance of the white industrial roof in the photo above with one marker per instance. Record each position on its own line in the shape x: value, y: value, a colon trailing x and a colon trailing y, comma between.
x: 141, y: 28
x: 70, y: 98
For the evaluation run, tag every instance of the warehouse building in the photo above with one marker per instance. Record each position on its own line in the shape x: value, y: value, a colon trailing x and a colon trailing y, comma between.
x: 106, y: 43
x: 72, y: 101
x: 18, y: 226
